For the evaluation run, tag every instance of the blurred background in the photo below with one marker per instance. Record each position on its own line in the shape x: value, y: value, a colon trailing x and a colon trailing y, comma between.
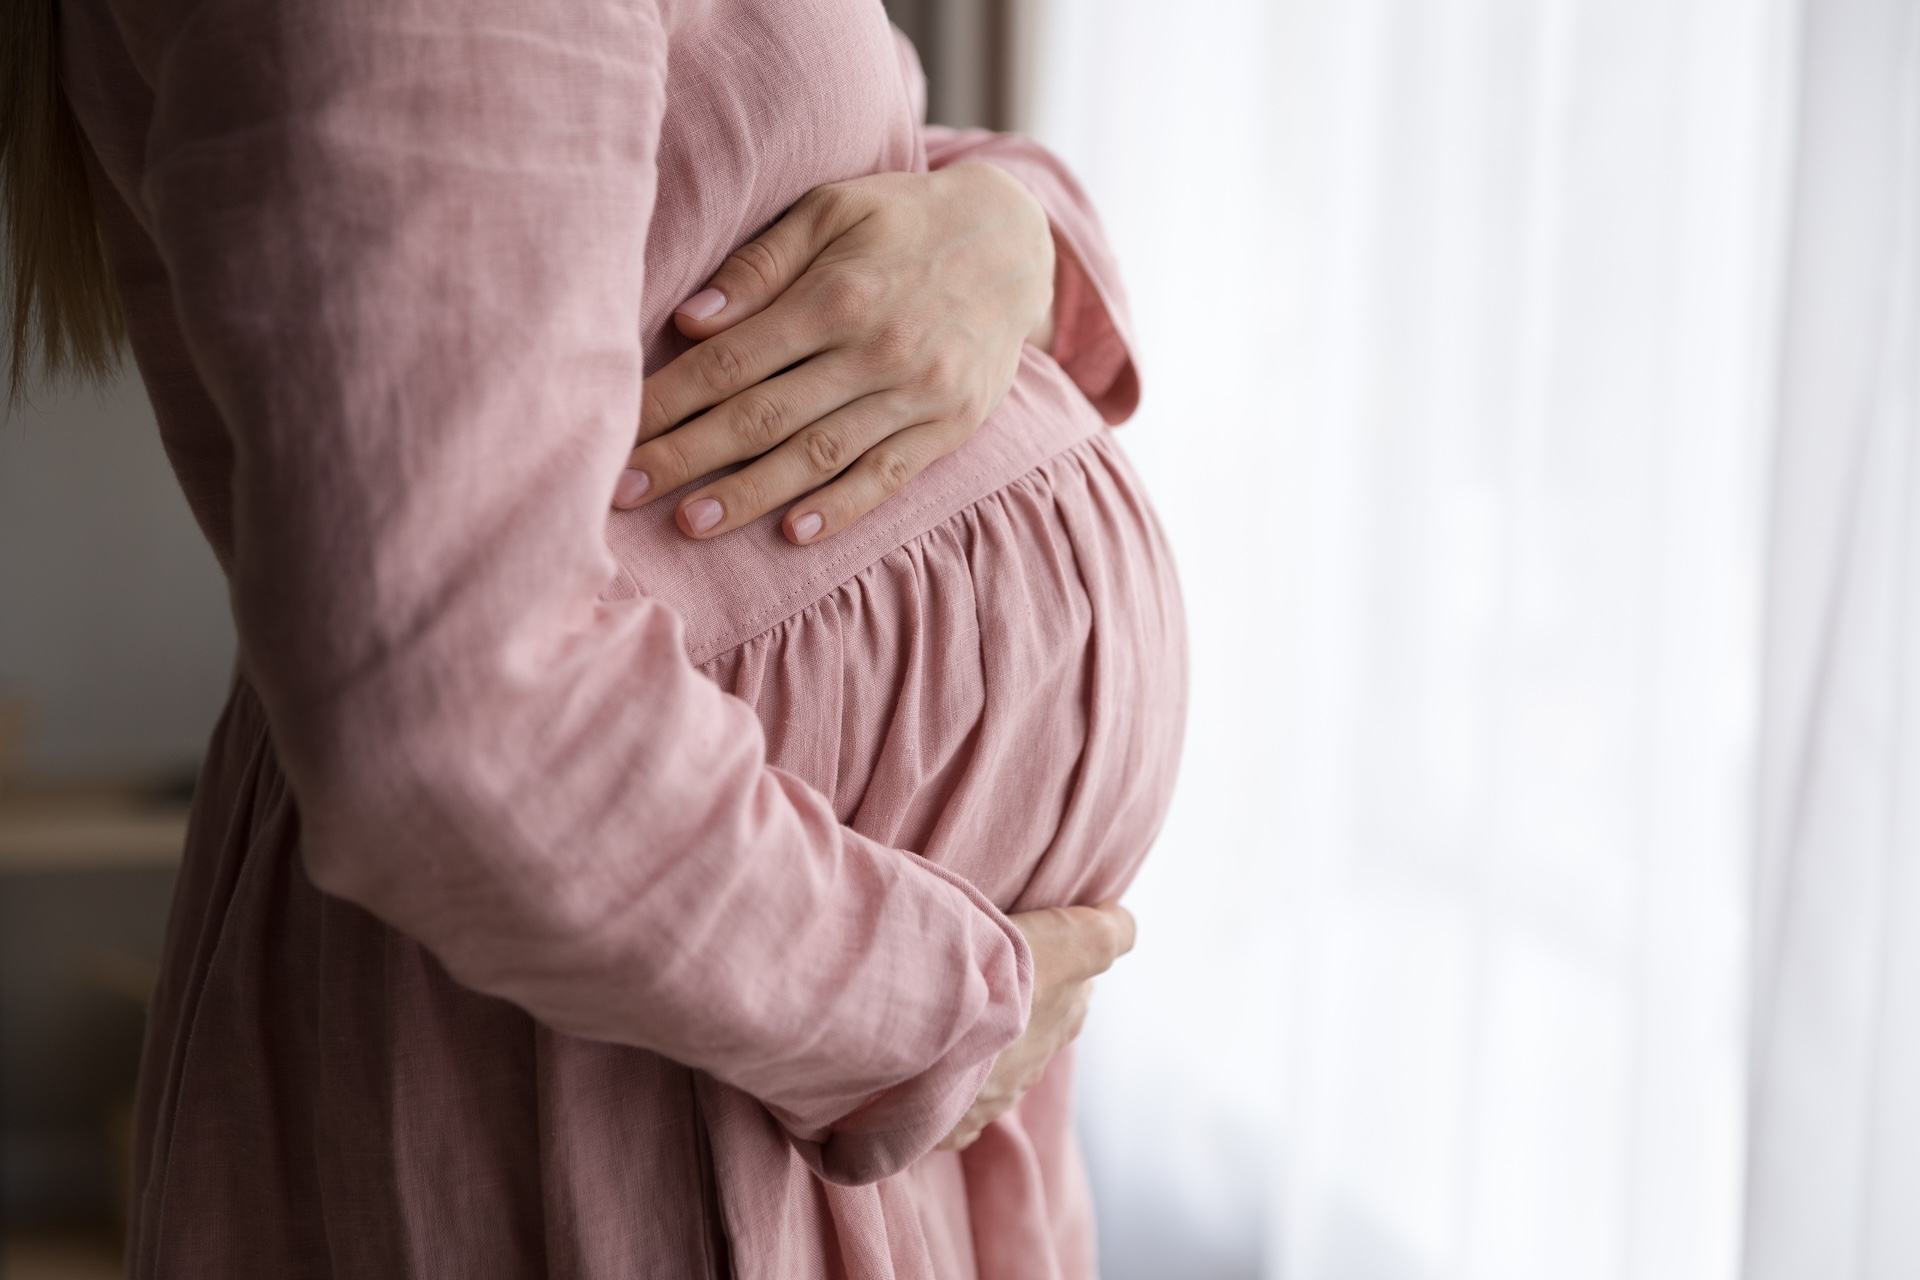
x: 115, y: 651
x: 1530, y: 393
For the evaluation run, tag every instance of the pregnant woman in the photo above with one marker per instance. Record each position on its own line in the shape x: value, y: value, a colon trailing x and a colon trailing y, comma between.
x: 596, y: 894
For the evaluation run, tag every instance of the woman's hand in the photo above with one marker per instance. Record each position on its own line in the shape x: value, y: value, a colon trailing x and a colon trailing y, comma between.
x: 1071, y: 946
x: 866, y: 334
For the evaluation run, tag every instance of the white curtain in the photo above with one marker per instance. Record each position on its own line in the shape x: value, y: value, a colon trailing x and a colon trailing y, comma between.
x: 1459, y: 324
x: 1835, y: 1179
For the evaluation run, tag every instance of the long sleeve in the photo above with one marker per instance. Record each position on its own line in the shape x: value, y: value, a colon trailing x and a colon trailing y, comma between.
x: 405, y: 240
x: 1093, y: 333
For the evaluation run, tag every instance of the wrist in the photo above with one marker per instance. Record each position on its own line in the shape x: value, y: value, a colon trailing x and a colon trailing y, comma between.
x: 1027, y: 219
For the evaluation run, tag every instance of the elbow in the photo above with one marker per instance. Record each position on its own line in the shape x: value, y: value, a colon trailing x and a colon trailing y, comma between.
x: 377, y: 799
x: 432, y: 842
x: 364, y: 810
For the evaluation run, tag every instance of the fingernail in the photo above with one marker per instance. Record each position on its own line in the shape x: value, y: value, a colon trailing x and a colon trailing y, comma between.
x: 707, y: 302
x: 807, y: 526
x: 703, y: 514
x: 631, y: 487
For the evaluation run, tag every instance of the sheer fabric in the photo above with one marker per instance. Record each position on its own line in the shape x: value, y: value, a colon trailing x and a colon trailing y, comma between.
x: 1835, y: 1170
x: 1441, y: 963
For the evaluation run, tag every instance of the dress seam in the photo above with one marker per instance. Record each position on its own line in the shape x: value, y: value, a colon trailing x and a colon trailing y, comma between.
x: 787, y: 610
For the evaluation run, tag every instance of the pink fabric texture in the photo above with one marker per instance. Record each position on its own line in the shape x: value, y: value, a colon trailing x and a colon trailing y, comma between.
x: 565, y: 897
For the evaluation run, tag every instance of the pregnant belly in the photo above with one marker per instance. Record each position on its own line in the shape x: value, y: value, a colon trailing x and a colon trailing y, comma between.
x: 1002, y: 687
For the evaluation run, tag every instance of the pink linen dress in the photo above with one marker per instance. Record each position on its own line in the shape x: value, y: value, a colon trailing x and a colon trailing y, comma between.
x: 565, y: 897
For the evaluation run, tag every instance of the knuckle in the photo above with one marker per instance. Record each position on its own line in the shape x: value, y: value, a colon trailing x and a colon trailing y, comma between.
x: 758, y: 263
x: 893, y: 341
x: 832, y: 202
x: 824, y: 451
x: 667, y: 462
x: 946, y: 377
x: 848, y: 295
x: 893, y: 468
x: 654, y: 417
x: 723, y: 369
x: 759, y: 421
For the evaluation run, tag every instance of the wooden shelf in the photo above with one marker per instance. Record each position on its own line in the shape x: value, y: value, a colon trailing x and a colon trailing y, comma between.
x: 88, y: 827
x: 59, y: 1256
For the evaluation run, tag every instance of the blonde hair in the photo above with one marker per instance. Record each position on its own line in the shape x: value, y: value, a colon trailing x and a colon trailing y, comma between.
x: 63, y: 316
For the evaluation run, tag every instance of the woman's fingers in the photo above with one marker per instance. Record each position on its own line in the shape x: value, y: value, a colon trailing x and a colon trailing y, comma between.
x: 855, y: 456
x: 719, y: 369
x: 1070, y: 945
x: 817, y: 314
x: 814, y: 456
x: 1023, y: 1064
x: 1118, y: 931
x: 1073, y: 944
x: 877, y: 475
x: 761, y: 270
x: 746, y: 426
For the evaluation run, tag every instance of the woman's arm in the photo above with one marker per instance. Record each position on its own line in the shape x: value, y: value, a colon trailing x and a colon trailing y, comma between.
x: 406, y: 243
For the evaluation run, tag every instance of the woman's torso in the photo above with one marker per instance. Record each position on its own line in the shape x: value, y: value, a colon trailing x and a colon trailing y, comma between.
x: 988, y: 670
